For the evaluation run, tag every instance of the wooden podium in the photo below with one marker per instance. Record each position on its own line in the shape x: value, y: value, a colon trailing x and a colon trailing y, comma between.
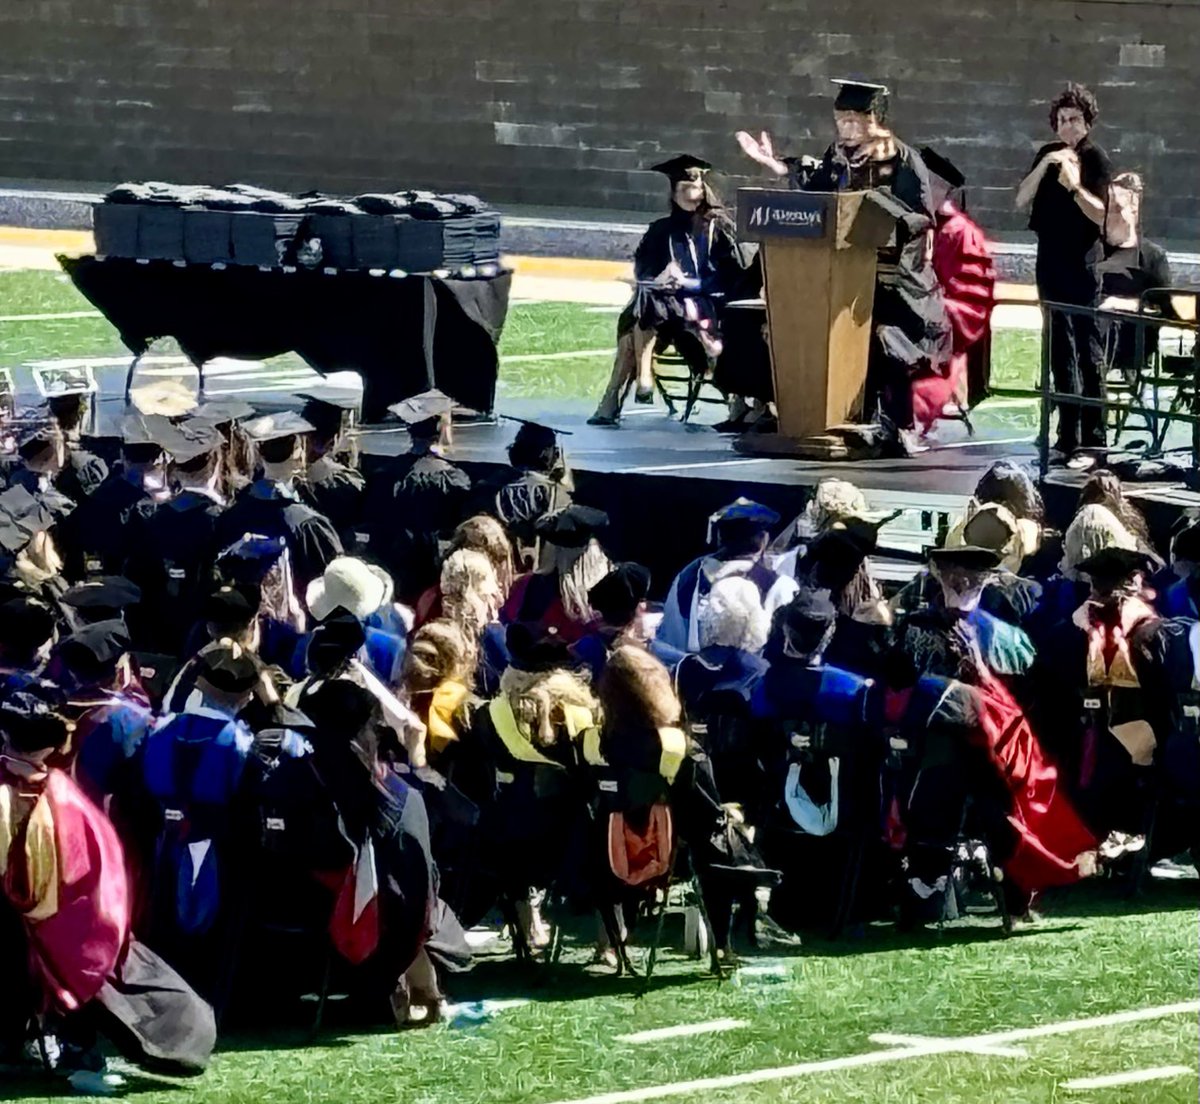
x: 818, y: 260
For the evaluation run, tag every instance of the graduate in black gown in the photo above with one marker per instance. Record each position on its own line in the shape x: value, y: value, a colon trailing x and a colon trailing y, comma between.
x: 271, y: 507
x: 83, y: 470
x: 175, y: 543
x: 421, y: 498
x: 910, y: 331
x: 96, y: 538
x: 329, y: 486
x: 685, y: 265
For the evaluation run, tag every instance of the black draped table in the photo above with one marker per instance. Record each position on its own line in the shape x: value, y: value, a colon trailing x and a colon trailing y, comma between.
x: 402, y: 334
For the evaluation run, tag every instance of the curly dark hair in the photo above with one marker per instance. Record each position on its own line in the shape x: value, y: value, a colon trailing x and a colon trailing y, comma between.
x: 1078, y: 96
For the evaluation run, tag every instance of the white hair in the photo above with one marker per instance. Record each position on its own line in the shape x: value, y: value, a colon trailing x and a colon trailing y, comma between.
x: 734, y: 616
x: 1094, y: 528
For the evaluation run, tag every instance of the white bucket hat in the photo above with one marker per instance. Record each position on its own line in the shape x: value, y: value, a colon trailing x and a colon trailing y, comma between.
x: 350, y: 584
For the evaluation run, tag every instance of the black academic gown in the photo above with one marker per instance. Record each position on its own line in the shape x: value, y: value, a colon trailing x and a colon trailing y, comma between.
x: 95, y: 539
x: 175, y: 547
x: 336, y: 491
x: 271, y: 509
x: 82, y: 474
x: 911, y: 334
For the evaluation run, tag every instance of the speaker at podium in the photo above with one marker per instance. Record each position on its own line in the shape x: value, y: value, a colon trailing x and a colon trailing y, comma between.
x: 818, y: 262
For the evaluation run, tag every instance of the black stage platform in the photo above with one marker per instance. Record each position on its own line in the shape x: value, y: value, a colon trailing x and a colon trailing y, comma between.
x: 659, y: 480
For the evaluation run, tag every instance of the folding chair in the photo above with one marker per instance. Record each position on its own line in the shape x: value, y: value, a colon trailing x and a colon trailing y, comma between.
x: 679, y: 372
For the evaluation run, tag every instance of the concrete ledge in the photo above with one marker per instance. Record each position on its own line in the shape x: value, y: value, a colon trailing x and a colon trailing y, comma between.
x: 551, y: 232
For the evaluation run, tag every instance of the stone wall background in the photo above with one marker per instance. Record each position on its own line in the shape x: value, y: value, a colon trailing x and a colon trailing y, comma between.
x: 563, y: 102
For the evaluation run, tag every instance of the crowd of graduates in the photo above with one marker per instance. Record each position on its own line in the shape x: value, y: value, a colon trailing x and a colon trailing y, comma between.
x: 266, y: 722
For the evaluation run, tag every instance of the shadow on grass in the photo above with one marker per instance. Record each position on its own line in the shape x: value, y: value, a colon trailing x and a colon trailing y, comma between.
x: 41, y: 1086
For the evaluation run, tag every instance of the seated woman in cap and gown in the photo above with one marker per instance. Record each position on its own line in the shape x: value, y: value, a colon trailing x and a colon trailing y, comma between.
x: 684, y: 265
x: 29, y: 558
x: 69, y: 957
x: 910, y: 331
x: 741, y: 530
x: 271, y: 506
x: 555, y: 596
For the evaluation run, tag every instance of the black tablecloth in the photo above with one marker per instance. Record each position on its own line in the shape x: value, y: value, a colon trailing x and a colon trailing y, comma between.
x: 403, y: 335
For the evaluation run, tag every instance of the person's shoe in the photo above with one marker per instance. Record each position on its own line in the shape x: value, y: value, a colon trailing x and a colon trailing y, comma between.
x: 731, y: 425
x: 1081, y: 461
x: 610, y: 420
x: 768, y: 423
x: 644, y: 398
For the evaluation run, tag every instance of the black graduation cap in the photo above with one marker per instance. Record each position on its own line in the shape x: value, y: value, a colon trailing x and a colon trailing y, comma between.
x: 221, y: 412
x: 683, y: 167
x: 532, y: 647
x: 969, y: 557
x: 90, y: 653
x: 986, y: 528
x: 833, y: 559
x: 861, y: 96
x: 941, y: 167
x: 423, y: 413
x: 617, y: 596
x: 327, y: 411
x: 228, y: 668
x: 334, y: 641
x: 138, y: 433
x: 571, y: 527
x: 22, y: 516
x: 810, y: 606
x: 1111, y: 566
x: 250, y: 558
x: 26, y: 623
x: 232, y: 604
x: 188, y: 439
x: 274, y: 427
x: 107, y: 594
x: 29, y: 719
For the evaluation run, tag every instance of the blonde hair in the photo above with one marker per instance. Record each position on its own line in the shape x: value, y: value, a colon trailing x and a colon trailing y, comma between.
x: 439, y: 651
x: 485, y: 534
x: 471, y: 594
x: 535, y: 695
x: 635, y: 689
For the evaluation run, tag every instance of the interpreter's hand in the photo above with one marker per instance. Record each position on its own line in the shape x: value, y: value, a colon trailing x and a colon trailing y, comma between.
x: 1069, y: 175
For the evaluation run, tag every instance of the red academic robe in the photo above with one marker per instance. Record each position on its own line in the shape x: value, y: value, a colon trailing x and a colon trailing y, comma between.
x: 76, y: 949
x: 963, y: 262
x: 1050, y: 835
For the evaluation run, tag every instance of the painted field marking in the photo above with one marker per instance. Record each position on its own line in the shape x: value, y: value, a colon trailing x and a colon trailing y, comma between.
x: 885, y: 1057
x: 967, y: 1046
x: 61, y: 315
x: 680, y: 1031
x: 533, y: 358
x: 1131, y: 1077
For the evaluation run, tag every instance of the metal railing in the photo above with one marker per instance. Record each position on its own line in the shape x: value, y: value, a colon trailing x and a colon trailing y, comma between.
x: 1147, y: 373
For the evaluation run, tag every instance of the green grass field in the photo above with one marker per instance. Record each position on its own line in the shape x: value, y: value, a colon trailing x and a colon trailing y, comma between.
x: 533, y: 330
x: 1092, y: 954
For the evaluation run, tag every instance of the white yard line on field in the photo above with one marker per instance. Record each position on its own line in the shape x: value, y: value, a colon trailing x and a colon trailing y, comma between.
x: 61, y: 315
x: 966, y: 1046
x: 680, y: 1031
x: 1130, y: 1077
x: 706, y: 464
x: 533, y: 358
x: 885, y: 1057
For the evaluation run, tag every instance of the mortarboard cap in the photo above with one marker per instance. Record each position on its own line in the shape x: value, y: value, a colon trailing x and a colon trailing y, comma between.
x: 742, y: 512
x: 228, y: 668
x: 532, y: 647
x: 250, y: 558
x: 27, y: 512
x: 834, y: 558
x: 1112, y: 566
x: 861, y: 96
x: 334, y: 641
x: 989, y: 528
x: 112, y: 593
x: 29, y: 718
x: 423, y: 413
x: 221, y: 412
x: 36, y: 436
x: 327, y: 411
x: 942, y: 168
x: 138, y: 432
x: 968, y: 557
x: 617, y: 596
x: 683, y: 167
x: 188, y: 439
x: 232, y: 604
x: 26, y: 623
x: 166, y: 396
x: 810, y: 606
x: 90, y: 653
x: 571, y: 527
x: 274, y: 427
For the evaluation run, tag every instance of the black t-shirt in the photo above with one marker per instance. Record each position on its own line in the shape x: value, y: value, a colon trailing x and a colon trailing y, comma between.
x: 1067, y: 238
x: 1132, y: 270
